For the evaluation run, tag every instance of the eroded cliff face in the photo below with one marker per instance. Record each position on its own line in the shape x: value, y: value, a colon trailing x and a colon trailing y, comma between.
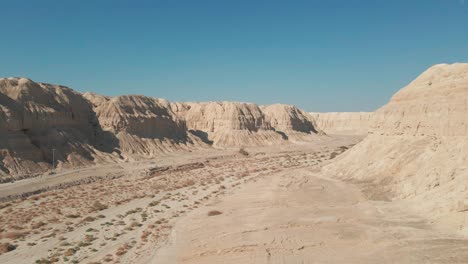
x: 435, y: 103
x: 344, y: 123
x: 232, y: 124
x: 42, y: 123
x: 292, y: 122
x: 228, y: 124
x: 418, y: 147
x: 138, y: 115
x: 37, y: 118
x: 289, y: 118
x: 141, y: 125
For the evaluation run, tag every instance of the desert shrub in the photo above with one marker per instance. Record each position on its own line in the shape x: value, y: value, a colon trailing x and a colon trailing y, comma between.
x: 6, y: 247
x: 123, y: 249
x: 70, y: 252
x: 4, y: 205
x: 88, y: 219
x: 73, y: 215
x: 333, y: 155
x: 13, y: 235
x: 43, y: 261
x: 98, y: 206
x: 37, y: 225
x: 89, y: 238
x: 214, y: 212
x: 153, y: 203
x: 243, y: 152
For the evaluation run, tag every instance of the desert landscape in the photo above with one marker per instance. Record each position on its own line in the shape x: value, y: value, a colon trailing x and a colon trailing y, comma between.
x: 89, y: 178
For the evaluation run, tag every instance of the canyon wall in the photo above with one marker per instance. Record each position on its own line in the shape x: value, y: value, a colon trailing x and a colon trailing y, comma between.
x: 228, y: 124
x: 344, y: 123
x: 41, y: 122
x: 417, y: 150
x: 42, y: 125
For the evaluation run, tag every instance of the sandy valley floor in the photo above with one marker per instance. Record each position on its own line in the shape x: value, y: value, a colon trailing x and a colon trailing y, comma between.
x: 298, y: 217
x: 271, y: 206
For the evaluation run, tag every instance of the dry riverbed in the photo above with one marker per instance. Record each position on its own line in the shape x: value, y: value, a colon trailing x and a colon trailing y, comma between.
x: 126, y: 213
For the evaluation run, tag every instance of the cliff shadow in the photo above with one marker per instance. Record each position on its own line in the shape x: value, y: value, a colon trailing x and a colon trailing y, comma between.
x: 202, y: 135
x: 282, y: 134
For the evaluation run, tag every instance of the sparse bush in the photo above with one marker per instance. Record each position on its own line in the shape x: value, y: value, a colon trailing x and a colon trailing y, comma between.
x: 333, y: 155
x: 4, y: 205
x: 123, y: 249
x: 6, y: 247
x: 13, y: 235
x: 343, y: 148
x: 243, y: 152
x: 98, y: 206
x: 43, y: 261
x: 73, y: 215
x: 153, y: 203
x: 214, y: 212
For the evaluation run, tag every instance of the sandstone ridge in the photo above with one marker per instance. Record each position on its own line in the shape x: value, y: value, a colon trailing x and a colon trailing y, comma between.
x: 418, y: 147
x: 345, y: 123
x: 44, y: 125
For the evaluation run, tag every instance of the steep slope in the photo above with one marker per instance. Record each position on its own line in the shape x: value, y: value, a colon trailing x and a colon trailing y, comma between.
x: 292, y: 122
x: 232, y: 124
x: 43, y: 125
x: 228, y: 124
x: 418, y: 147
x: 344, y: 123
x: 39, y: 121
x: 142, y: 125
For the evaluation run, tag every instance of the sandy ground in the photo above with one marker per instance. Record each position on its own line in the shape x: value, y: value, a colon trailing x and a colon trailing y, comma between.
x: 274, y: 205
x: 299, y: 217
x: 123, y: 213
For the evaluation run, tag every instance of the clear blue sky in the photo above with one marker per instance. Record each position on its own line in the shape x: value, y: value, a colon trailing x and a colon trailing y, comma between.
x: 336, y: 55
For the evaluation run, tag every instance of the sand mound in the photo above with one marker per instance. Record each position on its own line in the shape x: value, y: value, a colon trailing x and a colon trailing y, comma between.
x: 418, y: 147
x: 343, y: 123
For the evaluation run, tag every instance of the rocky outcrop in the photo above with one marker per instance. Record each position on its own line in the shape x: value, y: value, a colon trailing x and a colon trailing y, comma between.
x: 228, y: 124
x: 435, y: 103
x: 344, y: 123
x: 292, y: 122
x: 142, y: 126
x: 232, y: 124
x: 289, y: 118
x: 141, y: 116
x: 418, y: 146
x: 41, y: 122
